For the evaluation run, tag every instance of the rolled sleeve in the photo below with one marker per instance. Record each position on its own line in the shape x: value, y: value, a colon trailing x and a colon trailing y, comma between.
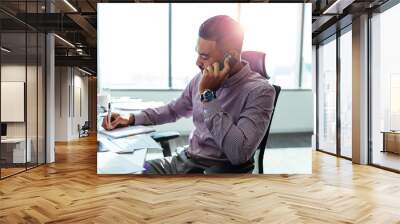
x: 176, y: 109
x: 140, y: 118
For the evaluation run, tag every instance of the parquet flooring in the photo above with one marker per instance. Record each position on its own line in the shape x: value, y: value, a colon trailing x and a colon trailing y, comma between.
x: 70, y: 191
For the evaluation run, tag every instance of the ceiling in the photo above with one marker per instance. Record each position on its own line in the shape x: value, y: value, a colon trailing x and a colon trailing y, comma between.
x: 329, y: 16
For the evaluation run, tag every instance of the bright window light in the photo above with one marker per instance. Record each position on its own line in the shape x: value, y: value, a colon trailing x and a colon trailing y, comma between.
x: 275, y: 29
x: 133, y: 45
x: 133, y: 41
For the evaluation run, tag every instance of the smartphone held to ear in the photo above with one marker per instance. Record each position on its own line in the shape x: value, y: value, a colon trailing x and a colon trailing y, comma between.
x: 232, y: 61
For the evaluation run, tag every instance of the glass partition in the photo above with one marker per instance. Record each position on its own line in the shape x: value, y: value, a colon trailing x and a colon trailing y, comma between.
x: 385, y: 89
x: 14, y: 153
x: 41, y: 91
x: 327, y: 96
x: 31, y: 97
x: 22, y: 91
x: 346, y: 94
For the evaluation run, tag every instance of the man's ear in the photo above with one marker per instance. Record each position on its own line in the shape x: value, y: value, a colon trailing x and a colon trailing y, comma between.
x: 235, y: 54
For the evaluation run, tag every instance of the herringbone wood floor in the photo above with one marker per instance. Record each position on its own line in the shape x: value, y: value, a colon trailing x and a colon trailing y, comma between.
x: 69, y: 191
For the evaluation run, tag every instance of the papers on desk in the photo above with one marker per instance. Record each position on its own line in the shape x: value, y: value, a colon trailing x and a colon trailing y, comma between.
x: 126, y: 145
x: 112, y: 163
x: 127, y: 131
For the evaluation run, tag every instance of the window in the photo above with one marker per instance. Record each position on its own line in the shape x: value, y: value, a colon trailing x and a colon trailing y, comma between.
x: 306, y: 76
x: 133, y: 45
x: 279, y: 40
x: 153, y: 45
x: 385, y: 87
x: 346, y: 94
x: 327, y: 96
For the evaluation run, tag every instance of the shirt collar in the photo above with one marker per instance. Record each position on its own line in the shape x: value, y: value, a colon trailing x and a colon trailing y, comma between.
x: 237, y: 76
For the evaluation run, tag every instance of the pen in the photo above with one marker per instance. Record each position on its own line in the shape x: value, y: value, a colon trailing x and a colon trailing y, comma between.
x: 109, y: 114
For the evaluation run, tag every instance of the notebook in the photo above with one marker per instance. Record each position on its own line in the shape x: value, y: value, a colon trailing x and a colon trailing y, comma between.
x: 129, y: 145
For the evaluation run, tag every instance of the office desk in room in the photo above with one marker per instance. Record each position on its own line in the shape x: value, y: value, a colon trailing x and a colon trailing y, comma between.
x: 16, y: 153
x: 111, y: 162
x: 391, y: 141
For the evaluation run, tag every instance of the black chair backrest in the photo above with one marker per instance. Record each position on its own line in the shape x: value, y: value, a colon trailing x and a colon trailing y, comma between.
x: 263, y: 143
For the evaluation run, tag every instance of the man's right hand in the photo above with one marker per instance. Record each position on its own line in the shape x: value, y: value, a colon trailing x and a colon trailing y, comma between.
x: 118, y: 121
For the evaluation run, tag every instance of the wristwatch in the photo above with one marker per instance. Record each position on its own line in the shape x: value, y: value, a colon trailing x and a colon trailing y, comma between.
x: 207, y: 96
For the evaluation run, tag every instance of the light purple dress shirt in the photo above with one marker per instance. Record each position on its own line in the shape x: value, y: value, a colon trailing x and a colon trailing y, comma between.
x: 227, y: 129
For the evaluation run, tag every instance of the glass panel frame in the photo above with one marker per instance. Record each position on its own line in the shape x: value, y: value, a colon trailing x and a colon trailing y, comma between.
x: 327, y: 79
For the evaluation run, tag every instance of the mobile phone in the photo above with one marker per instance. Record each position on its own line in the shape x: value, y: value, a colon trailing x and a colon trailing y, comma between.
x: 232, y: 61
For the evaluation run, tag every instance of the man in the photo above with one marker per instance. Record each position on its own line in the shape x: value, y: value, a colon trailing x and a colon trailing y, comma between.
x: 231, y: 108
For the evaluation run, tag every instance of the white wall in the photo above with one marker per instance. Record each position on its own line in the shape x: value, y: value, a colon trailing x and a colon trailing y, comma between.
x: 12, y: 73
x: 71, y: 94
x: 61, y: 103
x: 34, y: 125
x: 294, y: 111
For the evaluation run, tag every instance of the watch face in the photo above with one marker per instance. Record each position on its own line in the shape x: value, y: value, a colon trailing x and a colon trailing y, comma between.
x: 207, y: 95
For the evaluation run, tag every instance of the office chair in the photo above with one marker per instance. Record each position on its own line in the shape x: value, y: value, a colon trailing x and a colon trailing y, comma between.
x: 163, y: 138
x: 257, y: 64
x: 84, y: 130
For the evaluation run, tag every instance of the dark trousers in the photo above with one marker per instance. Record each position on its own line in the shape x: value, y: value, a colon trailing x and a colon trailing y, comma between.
x: 179, y: 164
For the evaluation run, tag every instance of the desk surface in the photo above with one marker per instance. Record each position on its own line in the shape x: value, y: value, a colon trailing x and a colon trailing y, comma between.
x: 111, y: 162
x: 14, y: 140
x: 390, y: 132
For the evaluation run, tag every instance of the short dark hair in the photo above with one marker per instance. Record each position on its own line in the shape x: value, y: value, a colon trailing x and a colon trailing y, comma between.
x: 222, y: 29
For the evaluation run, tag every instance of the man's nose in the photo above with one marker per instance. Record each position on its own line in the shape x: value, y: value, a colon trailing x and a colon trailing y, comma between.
x: 199, y: 64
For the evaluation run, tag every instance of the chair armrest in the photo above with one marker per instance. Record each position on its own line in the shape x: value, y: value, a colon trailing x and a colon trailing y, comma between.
x: 164, y: 136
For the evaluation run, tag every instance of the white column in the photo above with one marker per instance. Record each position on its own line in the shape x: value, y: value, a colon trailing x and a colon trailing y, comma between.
x: 50, y: 93
x: 50, y: 103
x: 360, y: 90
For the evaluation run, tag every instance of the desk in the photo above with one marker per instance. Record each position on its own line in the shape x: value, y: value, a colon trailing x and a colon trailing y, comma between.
x: 391, y: 141
x: 111, y: 162
x: 16, y: 153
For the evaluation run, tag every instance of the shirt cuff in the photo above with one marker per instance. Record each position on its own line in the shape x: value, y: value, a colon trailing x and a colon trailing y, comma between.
x: 211, y: 108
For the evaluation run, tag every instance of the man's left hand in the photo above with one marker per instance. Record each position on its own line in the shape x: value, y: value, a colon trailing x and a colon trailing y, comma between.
x: 213, y: 78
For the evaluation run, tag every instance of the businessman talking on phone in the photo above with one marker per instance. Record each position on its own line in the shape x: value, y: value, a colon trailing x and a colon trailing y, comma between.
x: 230, y: 104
